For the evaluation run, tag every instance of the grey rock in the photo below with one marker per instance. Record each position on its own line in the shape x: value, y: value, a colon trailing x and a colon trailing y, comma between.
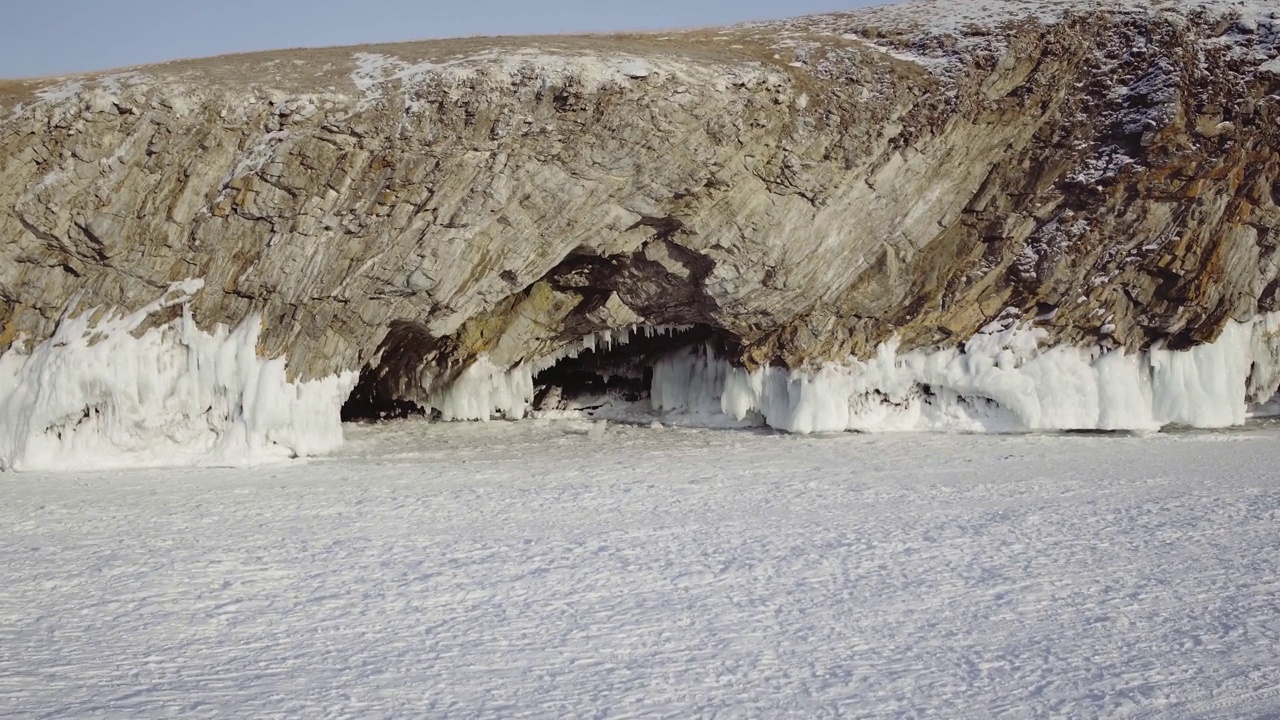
x: 806, y: 189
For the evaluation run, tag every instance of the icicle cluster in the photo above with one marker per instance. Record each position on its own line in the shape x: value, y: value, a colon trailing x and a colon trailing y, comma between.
x: 96, y: 396
x: 484, y: 390
x: 1001, y: 380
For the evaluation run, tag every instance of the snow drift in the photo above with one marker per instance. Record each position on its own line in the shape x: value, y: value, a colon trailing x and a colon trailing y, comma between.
x: 99, y: 394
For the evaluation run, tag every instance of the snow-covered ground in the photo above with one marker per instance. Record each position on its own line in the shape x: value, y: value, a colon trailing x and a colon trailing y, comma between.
x: 572, y: 570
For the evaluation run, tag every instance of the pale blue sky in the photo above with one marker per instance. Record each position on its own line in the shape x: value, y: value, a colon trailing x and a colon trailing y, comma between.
x: 48, y: 37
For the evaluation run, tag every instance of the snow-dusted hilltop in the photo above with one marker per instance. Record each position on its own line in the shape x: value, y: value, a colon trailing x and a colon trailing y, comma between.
x: 915, y: 202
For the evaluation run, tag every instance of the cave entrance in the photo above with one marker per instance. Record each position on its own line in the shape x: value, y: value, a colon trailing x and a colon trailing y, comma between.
x: 610, y: 367
x: 365, y: 404
x: 617, y: 366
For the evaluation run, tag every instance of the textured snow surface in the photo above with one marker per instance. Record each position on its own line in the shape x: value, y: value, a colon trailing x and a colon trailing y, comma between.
x: 551, y: 571
x: 99, y: 394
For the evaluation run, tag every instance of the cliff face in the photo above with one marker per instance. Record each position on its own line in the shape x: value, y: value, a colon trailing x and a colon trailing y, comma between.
x: 799, y: 192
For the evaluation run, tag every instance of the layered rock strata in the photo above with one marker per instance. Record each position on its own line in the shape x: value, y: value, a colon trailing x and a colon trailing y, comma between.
x: 801, y: 192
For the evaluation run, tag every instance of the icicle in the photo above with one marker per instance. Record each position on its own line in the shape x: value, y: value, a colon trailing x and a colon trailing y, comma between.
x: 1003, y: 381
x: 95, y: 396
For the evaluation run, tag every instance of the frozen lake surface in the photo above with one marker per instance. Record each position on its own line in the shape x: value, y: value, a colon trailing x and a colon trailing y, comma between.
x: 553, y: 570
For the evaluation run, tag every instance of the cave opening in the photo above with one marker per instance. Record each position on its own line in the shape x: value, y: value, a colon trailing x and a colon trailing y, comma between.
x: 367, y: 404
x: 619, y: 365
x: 379, y: 391
x: 608, y: 367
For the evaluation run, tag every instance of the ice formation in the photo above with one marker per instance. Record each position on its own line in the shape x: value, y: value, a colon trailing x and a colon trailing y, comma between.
x: 99, y: 394
x: 484, y: 390
x: 1001, y: 380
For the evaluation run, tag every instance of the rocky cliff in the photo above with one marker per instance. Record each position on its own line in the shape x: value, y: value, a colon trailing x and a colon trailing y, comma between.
x: 793, y: 193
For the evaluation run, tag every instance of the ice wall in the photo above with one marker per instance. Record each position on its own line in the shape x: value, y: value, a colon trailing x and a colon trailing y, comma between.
x: 1002, y: 380
x: 99, y: 394
x: 484, y: 391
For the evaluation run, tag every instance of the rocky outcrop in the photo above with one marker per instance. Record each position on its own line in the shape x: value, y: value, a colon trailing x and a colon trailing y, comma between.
x: 800, y: 192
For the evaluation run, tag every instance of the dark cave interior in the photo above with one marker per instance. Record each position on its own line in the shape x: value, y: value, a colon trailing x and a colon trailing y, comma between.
x: 623, y: 367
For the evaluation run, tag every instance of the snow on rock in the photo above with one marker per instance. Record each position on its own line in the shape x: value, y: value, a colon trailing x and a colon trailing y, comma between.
x: 114, y: 93
x: 374, y: 71
x: 1264, y: 380
x: 258, y: 155
x: 99, y: 394
x: 1271, y: 67
x: 61, y: 92
x: 1206, y: 385
x: 936, y: 34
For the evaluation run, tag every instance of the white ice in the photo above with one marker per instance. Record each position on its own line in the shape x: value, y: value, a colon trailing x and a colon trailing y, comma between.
x: 484, y: 391
x: 99, y: 394
x: 542, y: 570
x: 1004, y: 379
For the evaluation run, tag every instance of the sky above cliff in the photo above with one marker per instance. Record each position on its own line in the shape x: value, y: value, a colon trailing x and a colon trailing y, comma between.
x: 50, y: 37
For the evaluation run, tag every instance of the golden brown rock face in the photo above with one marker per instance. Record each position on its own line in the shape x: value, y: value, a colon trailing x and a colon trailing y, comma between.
x: 806, y: 190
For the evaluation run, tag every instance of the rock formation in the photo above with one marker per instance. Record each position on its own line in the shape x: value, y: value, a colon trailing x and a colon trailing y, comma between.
x: 797, y: 192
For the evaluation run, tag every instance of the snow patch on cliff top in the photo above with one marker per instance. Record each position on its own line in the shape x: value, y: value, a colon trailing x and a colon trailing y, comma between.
x: 965, y: 16
x: 93, y: 95
x: 375, y: 71
x: 937, y: 33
